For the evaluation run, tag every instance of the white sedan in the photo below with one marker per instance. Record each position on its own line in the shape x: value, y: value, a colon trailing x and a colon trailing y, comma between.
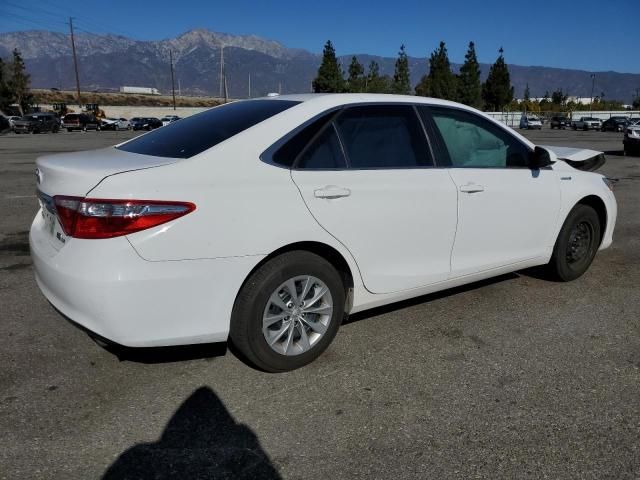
x: 267, y: 221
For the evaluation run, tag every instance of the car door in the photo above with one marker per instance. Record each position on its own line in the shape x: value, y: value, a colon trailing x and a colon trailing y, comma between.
x: 368, y: 179
x: 506, y: 211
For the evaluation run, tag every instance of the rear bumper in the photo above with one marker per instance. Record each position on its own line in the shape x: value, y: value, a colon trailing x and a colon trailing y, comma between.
x: 106, y: 288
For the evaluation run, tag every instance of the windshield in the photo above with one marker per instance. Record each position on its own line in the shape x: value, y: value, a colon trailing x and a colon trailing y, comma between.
x: 197, y: 133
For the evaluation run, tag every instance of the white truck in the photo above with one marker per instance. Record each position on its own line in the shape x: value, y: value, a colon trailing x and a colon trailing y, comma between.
x: 140, y: 90
x: 586, y: 123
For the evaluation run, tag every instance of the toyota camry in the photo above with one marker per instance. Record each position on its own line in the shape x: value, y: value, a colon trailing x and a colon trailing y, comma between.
x: 265, y: 222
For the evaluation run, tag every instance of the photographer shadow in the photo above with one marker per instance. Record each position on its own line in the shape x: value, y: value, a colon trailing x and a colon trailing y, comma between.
x: 201, y: 440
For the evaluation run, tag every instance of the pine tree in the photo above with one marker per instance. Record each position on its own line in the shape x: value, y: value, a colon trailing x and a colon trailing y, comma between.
x: 329, y: 78
x: 527, y: 94
x: 497, y: 90
x: 19, y: 82
x: 377, y: 83
x: 469, y: 86
x: 401, y: 84
x: 356, y: 80
x: 440, y: 82
x: 6, y: 99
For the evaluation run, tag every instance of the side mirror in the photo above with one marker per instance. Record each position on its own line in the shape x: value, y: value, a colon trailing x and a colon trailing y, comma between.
x: 540, y: 158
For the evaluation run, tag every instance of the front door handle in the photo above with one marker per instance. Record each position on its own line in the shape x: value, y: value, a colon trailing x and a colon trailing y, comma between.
x: 331, y: 191
x: 471, y: 188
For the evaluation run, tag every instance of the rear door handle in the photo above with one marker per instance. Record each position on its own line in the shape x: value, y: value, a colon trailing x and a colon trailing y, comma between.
x: 331, y: 191
x: 471, y: 188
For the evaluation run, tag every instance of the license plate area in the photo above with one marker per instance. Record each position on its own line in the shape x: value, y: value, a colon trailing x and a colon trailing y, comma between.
x: 51, y: 223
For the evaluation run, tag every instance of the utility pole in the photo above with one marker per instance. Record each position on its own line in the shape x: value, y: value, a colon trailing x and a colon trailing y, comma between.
x: 593, y: 84
x: 179, y: 89
x: 279, y: 88
x: 173, y: 83
x: 75, y: 61
x: 221, y: 72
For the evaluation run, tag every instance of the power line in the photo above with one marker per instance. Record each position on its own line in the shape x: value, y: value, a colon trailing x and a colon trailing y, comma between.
x: 22, y: 19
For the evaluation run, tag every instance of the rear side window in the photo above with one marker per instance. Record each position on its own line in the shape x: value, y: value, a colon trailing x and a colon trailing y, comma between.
x: 195, y: 134
x: 324, y: 153
x: 383, y: 136
x: 289, y: 151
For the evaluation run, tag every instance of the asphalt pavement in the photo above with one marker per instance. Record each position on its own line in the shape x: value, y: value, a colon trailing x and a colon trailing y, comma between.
x: 516, y: 377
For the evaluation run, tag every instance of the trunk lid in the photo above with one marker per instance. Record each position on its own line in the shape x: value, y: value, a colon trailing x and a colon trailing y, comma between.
x: 77, y: 173
x: 579, y: 158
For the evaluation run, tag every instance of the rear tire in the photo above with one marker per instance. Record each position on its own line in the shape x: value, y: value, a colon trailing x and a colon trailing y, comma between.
x: 576, y: 245
x: 299, y: 335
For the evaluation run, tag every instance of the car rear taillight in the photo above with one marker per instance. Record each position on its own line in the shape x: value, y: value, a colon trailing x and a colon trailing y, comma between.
x: 93, y: 218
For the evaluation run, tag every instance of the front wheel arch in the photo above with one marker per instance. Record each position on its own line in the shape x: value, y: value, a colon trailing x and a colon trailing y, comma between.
x: 599, y: 206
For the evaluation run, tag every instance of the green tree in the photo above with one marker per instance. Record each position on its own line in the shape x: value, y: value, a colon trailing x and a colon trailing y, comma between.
x: 19, y: 81
x: 401, y: 84
x: 376, y: 83
x: 440, y: 82
x: 558, y: 97
x: 6, y: 98
x: 497, y: 90
x: 329, y: 78
x: 356, y: 81
x: 636, y: 103
x: 527, y: 94
x: 469, y: 86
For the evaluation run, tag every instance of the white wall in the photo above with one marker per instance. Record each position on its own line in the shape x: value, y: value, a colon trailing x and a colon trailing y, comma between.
x: 135, y: 111
x: 159, y: 112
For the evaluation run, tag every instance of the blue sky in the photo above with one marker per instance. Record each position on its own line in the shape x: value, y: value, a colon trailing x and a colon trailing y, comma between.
x: 590, y: 35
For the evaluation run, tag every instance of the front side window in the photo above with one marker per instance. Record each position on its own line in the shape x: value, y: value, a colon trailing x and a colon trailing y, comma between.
x: 197, y: 133
x: 383, y: 136
x: 473, y: 142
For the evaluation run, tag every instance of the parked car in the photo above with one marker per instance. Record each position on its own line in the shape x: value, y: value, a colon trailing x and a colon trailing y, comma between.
x: 631, y: 140
x: 530, y: 122
x: 266, y: 221
x: 586, y: 123
x: 12, y: 119
x: 5, y: 126
x: 559, y: 122
x: 145, y: 123
x: 114, y: 124
x: 80, y: 121
x: 614, y: 124
x: 169, y: 119
x: 37, y: 123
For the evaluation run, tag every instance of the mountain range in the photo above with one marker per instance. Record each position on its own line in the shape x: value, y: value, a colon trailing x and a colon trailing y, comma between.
x: 107, y: 62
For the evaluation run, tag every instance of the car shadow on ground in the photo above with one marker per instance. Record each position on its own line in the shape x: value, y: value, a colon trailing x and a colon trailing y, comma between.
x: 201, y: 440
x: 614, y: 153
x: 356, y: 317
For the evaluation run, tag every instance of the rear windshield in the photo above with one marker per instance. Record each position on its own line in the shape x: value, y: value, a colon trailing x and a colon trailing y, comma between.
x: 195, y: 134
x: 72, y: 116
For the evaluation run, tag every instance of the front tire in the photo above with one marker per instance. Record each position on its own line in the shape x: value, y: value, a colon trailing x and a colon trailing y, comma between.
x: 576, y: 244
x: 288, y: 311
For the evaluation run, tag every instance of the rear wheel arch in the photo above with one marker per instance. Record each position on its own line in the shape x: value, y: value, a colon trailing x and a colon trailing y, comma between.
x: 329, y: 253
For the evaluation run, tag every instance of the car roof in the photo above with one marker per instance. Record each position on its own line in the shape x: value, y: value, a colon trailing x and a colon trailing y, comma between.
x: 338, y: 99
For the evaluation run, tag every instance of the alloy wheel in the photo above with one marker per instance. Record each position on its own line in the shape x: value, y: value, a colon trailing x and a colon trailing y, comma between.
x: 297, y: 315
